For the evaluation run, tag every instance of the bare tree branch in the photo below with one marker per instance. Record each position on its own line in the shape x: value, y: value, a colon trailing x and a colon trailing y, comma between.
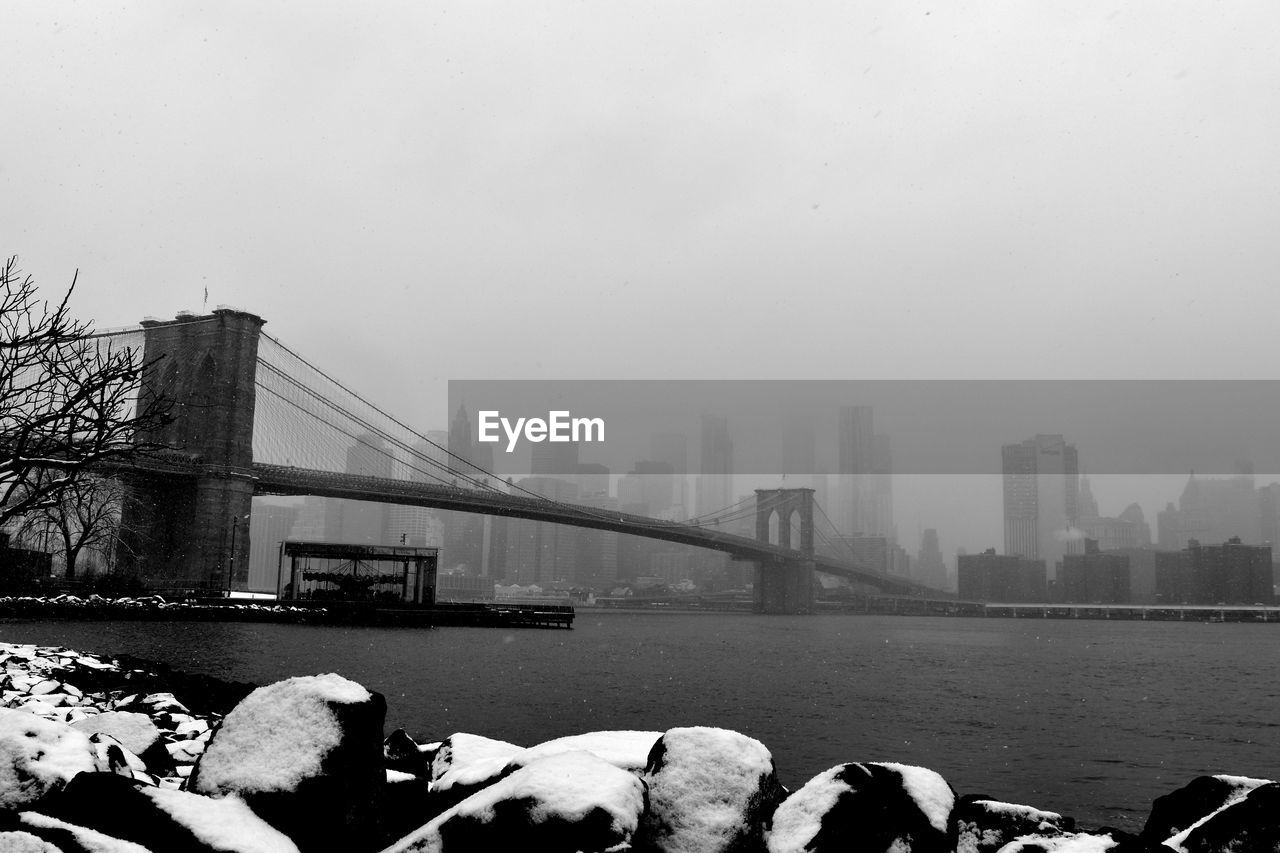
x: 68, y: 400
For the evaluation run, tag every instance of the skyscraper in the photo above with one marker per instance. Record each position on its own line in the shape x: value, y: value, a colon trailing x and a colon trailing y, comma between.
x: 864, y: 490
x: 715, y: 466
x: 1041, y: 491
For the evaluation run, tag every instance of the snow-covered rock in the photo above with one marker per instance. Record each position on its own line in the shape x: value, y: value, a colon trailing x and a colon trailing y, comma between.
x: 984, y: 825
x: 1248, y: 823
x: 70, y: 838
x: 1193, y: 802
x: 568, y: 802
x: 628, y: 750
x: 135, y: 732
x: 873, y: 807
x: 37, y: 757
x: 164, y: 820
x: 25, y: 842
x: 710, y: 790
x: 464, y: 764
x: 1071, y: 842
x: 306, y: 754
x: 401, y: 752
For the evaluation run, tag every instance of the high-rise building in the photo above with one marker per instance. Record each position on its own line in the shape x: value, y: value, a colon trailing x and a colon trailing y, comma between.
x: 269, y: 525
x: 931, y: 569
x: 366, y: 522
x: 715, y: 465
x: 1214, y: 510
x: 1094, y: 577
x: 855, y: 465
x: 1041, y: 489
x: 1005, y: 578
x: 672, y: 448
x: 1230, y: 573
x: 538, y: 552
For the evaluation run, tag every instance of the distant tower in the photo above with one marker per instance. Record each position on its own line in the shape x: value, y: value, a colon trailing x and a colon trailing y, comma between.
x: 715, y: 481
x: 1041, y: 498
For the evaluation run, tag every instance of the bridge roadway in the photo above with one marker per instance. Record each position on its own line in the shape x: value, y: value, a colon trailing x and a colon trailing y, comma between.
x: 284, y: 480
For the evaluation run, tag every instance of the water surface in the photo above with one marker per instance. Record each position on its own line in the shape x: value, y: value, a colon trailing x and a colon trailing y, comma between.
x: 1090, y: 718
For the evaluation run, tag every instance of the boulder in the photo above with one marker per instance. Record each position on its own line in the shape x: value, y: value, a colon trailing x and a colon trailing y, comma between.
x: 25, y: 842
x: 984, y: 825
x: 38, y: 757
x: 1102, y: 841
x: 306, y: 754
x: 464, y: 764
x: 628, y: 750
x: 1196, y: 800
x: 70, y: 838
x: 710, y: 790
x: 1249, y: 823
x: 401, y: 752
x: 569, y: 802
x: 403, y: 804
x: 163, y: 820
x: 110, y: 756
x: 873, y: 807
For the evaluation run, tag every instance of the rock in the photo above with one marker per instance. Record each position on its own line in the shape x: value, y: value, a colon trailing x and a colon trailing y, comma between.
x: 1251, y: 823
x: 25, y: 842
x: 873, y: 807
x: 403, y: 804
x: 70, y: 838
x: 1198, y: 799
x: 983, y: 825
x: 306, y: 754
x: 401, y: 752
x: 628, y: 750
x: 464, y: 764
x: 135, y: 732
x: 1103, y: 841
x: 163, y: 820
x: 570, y: 802
x: 37, y: 757
x: 710, y: 790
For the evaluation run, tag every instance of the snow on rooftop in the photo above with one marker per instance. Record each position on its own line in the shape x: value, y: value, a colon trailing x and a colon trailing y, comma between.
x: 277, y: 735
x: 929, y: 790
x: 799, y: 818
x: 37, y: 755
x: 566, y: 786
x: 225, y: 823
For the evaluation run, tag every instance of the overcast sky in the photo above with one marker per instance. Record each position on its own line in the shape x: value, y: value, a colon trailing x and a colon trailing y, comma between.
x: 415, y: 192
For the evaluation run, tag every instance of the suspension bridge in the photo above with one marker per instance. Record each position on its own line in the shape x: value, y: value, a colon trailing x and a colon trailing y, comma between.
x: 252, y: 417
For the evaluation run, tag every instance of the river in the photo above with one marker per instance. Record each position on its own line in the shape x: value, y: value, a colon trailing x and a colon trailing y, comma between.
x: 1090, y: 718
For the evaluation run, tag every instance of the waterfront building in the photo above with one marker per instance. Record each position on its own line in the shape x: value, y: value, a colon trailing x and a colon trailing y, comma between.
x: 1004, y: 578
x: 1230, y: 573
x: 1094, y: 577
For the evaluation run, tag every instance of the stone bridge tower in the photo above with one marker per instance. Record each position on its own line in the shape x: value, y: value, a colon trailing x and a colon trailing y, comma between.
x: 192, y: 530
x: 785, y: 585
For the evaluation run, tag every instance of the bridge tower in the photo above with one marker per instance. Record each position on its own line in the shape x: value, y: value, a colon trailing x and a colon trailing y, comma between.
x: 784, y: 585
x: 193, y: 530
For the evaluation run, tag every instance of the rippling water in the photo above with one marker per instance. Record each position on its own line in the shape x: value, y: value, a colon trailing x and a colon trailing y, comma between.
x: 1091, y: 718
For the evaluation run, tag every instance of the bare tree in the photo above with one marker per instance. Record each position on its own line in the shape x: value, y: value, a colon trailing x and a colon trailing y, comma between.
x: 68, y: 399
x: 85, y: 519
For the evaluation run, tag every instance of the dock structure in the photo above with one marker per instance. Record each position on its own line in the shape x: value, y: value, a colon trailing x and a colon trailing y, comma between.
x: 1142, y: 612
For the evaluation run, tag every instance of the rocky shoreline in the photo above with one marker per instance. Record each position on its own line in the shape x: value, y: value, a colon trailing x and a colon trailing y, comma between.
x: 116, y: 755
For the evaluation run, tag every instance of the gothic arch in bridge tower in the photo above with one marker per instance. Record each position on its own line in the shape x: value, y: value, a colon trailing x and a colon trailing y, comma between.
x: 189, y: 530
x: 784, y: 517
